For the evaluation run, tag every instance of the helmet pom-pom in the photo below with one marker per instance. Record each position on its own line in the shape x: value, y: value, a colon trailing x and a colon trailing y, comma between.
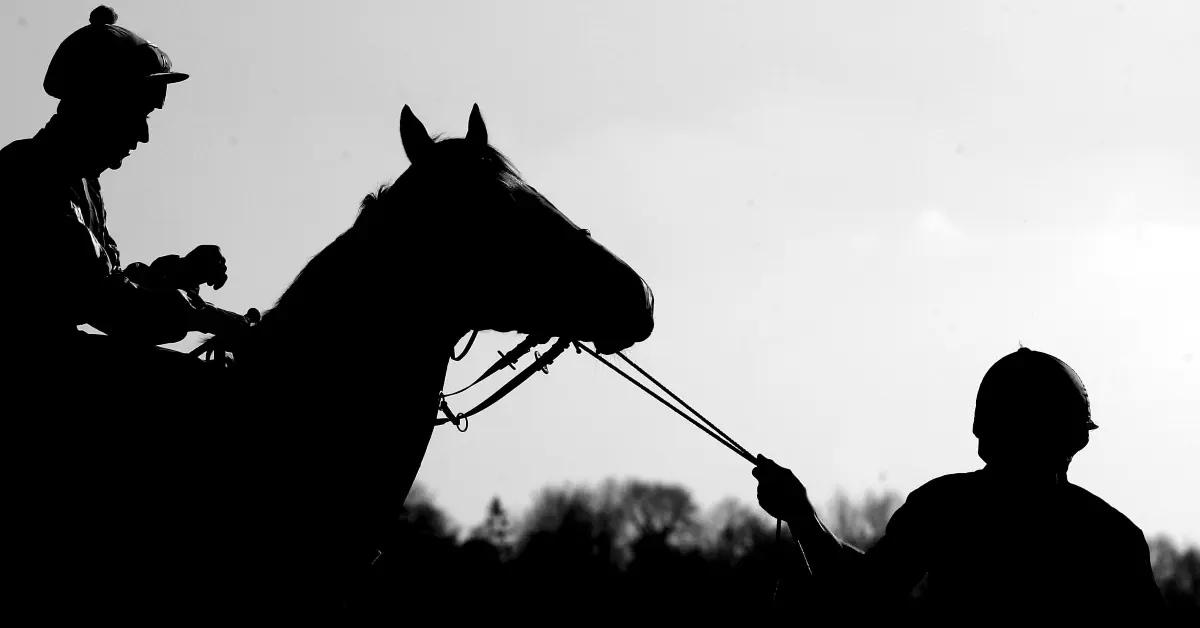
x: 102, y: 15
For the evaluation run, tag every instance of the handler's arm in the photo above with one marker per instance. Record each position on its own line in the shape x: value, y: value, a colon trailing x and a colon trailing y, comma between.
x: 886, y: 573
x: 784, y: 497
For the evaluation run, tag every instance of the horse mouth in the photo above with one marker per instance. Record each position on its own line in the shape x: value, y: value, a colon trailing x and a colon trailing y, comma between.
x: 633, y: 327
x: 610, y: 347
x: 631, y: 336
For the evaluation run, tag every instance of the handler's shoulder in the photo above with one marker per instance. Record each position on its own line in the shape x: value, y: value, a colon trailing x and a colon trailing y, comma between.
x: 941, y: 494
x: 947, y: 486
x: 1100, y: 512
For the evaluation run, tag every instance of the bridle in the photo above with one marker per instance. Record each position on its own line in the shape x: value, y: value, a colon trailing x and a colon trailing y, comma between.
x: 542, y: 362
x: 508, y: 359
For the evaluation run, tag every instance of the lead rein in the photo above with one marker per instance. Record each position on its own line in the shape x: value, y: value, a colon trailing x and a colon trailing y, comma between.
x: 707, y: 427
x: 711, y: 429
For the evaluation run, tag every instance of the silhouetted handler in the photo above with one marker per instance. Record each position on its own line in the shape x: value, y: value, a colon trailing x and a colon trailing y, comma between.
x: 1014, y: 541
x: 64, y: 267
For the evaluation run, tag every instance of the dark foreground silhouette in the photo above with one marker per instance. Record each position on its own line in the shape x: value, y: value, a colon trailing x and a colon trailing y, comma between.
x: 289, y: 465
x: 279, y: 475
x: 147, y: 486
x: 631, y: 550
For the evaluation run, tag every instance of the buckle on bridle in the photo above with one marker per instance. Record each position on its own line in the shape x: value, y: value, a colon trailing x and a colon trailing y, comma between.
x: 540, y: 363
x: 459, y: 421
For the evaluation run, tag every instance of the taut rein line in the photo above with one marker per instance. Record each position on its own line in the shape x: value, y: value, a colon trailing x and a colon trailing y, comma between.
x: 509, y: 359
x: 706, y: 426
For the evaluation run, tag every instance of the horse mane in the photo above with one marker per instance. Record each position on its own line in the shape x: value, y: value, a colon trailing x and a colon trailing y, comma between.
x: 371, y: 201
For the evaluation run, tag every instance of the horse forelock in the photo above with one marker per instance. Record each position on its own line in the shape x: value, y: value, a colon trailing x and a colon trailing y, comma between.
x: 458, y: 149
x: 454, y: 148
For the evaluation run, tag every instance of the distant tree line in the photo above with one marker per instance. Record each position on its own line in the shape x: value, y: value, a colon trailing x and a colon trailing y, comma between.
x: 631, y: 551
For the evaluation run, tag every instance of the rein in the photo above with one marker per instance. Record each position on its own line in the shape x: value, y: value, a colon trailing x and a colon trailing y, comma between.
x: 509, y: 359
x: 216, y: 350
x: 706, y: 426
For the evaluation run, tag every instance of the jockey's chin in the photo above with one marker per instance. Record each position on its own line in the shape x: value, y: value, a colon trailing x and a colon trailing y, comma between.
x: 114, y: 162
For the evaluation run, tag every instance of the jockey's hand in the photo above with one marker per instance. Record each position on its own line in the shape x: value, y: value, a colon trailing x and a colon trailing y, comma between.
x: 205, y: 265
x: 780, y: 493
x: 213, y: 320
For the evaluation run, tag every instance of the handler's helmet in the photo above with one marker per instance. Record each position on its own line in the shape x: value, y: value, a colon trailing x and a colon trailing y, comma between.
x: 1030, y: 393
x: 106, y: 61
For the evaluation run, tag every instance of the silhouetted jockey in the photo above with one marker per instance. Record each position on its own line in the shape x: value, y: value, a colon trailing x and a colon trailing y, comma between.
x: 65, y: 269
x: 89, y: 418
x: 1014, y: 541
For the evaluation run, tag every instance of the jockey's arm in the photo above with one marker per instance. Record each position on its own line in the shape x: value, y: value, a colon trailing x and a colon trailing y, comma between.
x: 122, y: 308
x: 65, y: 273
x: 69, y: 277
x: 156, y: 314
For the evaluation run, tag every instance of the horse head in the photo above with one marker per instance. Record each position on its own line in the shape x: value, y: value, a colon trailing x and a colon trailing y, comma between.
x: 458, y: 242
x: 509, y: 259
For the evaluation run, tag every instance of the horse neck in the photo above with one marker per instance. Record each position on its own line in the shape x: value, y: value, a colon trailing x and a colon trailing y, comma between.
x: 345, y: 338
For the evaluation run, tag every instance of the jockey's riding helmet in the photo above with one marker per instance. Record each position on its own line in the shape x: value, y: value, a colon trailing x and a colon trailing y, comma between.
x: 106, y: 61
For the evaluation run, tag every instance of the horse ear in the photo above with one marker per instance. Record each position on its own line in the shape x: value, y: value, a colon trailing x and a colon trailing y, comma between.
x: 413, y: 135
x: 476, y: 131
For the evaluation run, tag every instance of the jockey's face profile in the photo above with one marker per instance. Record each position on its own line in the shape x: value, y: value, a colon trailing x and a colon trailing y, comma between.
x: 109, y: 80
x: 116, y: 128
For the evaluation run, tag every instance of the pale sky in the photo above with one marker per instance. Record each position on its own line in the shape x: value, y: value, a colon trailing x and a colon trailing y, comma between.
x: 847, y: 212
